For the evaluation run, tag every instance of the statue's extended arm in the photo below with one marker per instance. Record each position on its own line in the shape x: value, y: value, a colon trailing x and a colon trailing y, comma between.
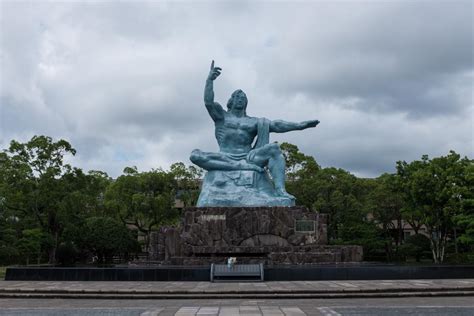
x: 279, y: 126
x: 215, y: 109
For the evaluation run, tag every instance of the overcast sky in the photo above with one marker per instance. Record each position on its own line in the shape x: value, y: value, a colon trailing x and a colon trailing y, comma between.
x: 123, y: 82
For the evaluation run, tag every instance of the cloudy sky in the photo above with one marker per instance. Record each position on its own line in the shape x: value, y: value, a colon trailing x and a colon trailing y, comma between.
x: 123, y: 82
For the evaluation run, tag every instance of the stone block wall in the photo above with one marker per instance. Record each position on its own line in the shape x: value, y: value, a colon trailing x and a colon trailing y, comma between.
x: 269, y: 235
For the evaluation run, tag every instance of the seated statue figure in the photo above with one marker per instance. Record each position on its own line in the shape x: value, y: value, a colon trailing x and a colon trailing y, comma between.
x: 238, y: 174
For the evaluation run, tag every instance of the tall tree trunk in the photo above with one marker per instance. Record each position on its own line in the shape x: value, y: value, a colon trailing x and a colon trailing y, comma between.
x: 53, y: 249
x: 433, y: 251
x: 388, y: 243
x: 400, y: 231
x: 455, y: 241
x: 438, y: 245
x: 147, y: 240
x: 433, y: 246
x: 52, y: 255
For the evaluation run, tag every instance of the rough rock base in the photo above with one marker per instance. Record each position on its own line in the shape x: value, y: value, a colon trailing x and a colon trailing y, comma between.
x: 269, y: 235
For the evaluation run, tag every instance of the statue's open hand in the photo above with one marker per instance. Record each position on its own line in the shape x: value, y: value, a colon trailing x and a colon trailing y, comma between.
x: 311, y: 123
x: 214, y: 72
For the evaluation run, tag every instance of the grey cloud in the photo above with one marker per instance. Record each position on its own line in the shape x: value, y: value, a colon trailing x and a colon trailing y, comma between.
x: 123, y: 81
x: 385, y: 54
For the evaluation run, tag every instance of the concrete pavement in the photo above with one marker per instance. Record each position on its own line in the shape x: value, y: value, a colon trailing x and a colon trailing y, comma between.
x: 207, y: 290
x: 453, y: 306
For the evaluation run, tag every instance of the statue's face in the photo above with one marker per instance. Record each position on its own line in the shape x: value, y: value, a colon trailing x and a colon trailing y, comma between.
x: 239, y: 100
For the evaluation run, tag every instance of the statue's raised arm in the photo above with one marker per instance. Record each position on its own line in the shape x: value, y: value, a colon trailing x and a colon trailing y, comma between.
x: 215, y: 109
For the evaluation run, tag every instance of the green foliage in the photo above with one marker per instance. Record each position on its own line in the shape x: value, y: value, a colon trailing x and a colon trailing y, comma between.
x: 144, y: 200
x: 384, y: 203
x: 335, y: 192
x: 365, y: 234
x: 433, y: 192
x: 30, y: 244
x: 186, y: 181
x: 34, y: 183
x: 41, y: 191
x: 332, y: 191
x: 298, y: 165
x: 465, y: 219
x: 67, y: 254
x: 49, y: 209
x: 105, y: 237
x: 415, y: 246
x: 9, y: 252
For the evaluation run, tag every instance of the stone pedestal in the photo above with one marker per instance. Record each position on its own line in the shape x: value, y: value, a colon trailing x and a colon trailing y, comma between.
x: 269, y: 235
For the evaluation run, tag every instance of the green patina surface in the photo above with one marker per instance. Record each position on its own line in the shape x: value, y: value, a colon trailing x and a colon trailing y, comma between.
x: 243, y: 147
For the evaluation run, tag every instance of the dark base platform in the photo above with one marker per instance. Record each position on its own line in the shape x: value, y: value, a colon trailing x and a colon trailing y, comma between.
x: 108, y: 274
x: 275, y: 273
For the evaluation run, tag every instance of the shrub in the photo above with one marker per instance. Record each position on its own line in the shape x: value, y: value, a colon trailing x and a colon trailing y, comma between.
x: 415, y: 246
x: 66, y: 254
x: 105, y: 238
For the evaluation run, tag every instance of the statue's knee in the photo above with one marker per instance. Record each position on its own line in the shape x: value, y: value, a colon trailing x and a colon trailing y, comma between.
x: 196, y: 156
x: 274, y: 149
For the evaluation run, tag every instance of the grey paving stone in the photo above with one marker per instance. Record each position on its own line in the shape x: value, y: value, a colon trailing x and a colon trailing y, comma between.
x: 207, y: 287
x: 229, y: 311
x: 187, y: 311
x: 292, y: 311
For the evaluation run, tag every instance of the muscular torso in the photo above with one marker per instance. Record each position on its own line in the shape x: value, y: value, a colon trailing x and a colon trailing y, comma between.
x: 236, y: 134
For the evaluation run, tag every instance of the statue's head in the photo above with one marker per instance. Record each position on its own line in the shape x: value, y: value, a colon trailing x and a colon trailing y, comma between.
x: 238, y: 100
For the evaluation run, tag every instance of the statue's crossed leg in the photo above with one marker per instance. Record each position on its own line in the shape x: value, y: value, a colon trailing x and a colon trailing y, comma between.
x: 269, y: 156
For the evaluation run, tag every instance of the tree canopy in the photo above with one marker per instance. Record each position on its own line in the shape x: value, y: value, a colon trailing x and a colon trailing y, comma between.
x: 50, y: 209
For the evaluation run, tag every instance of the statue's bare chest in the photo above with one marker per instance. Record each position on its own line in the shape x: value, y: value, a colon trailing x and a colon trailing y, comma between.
x: 240, y: 124
x: 238, y: 132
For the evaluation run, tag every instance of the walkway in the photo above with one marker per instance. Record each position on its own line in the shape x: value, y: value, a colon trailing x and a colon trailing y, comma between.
x: 207, y: 290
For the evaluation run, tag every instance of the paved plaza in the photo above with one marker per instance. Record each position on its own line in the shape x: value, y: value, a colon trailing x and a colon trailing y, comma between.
x: 206, y: 290
x: 292, y: 298
x: 455, y: 306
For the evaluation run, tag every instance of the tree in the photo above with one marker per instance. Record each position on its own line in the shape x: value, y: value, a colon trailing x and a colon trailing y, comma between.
x: 144, y: 200
x: 338, y: 193
x: 301, y: 171
x: 465, y: 219
x: 384, y: 202
x: 432, y: 189
x: 105, y: 237
x: 30, y: 244
x: 8, y: 244
x: 415, y: 246
x: 411, y: 211
x: 298, y: 165
x: 364, y: 233
x: 186, y: 180
x: 327, y: 190
x: 33, y: 183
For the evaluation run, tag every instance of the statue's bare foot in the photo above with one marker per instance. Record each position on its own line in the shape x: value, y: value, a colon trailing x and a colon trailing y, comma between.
x: 282, y: 193
x: 250, y: 166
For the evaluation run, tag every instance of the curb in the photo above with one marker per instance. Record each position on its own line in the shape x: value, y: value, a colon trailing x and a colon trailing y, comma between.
x: 230, y: 292
x: 236, y: 295
x: 144, y: 294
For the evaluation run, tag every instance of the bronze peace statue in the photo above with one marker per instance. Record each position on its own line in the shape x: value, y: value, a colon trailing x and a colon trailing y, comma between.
x: 243, y: 172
